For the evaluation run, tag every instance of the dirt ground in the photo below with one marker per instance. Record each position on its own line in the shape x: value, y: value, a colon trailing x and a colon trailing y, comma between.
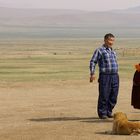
x: 59, y: 110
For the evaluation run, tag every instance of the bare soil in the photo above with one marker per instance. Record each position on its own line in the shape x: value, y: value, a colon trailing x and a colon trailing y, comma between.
x: 59, y: 110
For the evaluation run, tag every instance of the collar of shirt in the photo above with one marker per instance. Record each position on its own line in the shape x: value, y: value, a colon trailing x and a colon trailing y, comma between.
x: 107, y: 48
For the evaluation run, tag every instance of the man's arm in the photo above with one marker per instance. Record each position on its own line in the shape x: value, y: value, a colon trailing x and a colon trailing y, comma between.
x: 93, y: 63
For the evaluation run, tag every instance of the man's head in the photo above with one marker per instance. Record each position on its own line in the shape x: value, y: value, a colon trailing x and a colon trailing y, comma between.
x: 109, y: 39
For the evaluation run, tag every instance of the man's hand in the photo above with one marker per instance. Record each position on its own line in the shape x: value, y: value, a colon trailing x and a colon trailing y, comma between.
x: 92, y: 77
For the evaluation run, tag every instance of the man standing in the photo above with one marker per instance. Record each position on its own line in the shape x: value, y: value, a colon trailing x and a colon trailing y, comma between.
x: 108, y: 80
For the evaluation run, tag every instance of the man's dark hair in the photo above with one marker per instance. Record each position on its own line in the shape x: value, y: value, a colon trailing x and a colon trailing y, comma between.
x: 109, y: 35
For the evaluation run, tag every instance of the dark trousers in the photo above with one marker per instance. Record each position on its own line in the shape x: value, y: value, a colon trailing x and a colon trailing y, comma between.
x: 108, y: 92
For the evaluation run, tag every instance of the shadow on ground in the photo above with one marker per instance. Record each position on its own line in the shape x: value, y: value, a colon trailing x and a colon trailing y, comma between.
x: 81, y: 119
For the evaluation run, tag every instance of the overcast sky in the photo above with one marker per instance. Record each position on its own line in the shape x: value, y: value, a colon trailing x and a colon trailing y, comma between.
x: 91, y: 5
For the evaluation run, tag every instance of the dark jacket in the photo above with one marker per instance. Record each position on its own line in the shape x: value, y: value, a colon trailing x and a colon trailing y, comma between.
x: 135, y: 100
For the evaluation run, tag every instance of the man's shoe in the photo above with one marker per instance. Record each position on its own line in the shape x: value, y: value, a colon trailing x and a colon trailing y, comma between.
x: 110, y: 116
x: 103, y: 117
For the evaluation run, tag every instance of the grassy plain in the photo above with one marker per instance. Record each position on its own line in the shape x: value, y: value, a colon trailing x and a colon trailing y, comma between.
x: 45, y: 92
x: 59, y: 59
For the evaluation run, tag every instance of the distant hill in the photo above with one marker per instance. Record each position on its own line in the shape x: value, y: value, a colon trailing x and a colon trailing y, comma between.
x: 52, y: 17
x: 56, y: 21
x: 131, y: 10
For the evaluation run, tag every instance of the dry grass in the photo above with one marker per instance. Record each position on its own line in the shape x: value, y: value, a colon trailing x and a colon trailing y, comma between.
x: 45, y: 92
x: 54, y: 59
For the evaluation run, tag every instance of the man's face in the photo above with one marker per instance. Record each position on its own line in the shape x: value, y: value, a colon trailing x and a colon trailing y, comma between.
x: 110, y: 41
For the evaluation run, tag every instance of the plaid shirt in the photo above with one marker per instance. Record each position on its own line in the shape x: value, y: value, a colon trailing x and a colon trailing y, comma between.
x: 106, y: 59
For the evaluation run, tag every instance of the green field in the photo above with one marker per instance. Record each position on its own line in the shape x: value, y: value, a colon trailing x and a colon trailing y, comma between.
x: 60, y: 59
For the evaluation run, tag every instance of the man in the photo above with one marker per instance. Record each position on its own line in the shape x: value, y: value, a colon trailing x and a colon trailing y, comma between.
x: 108, y: 80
